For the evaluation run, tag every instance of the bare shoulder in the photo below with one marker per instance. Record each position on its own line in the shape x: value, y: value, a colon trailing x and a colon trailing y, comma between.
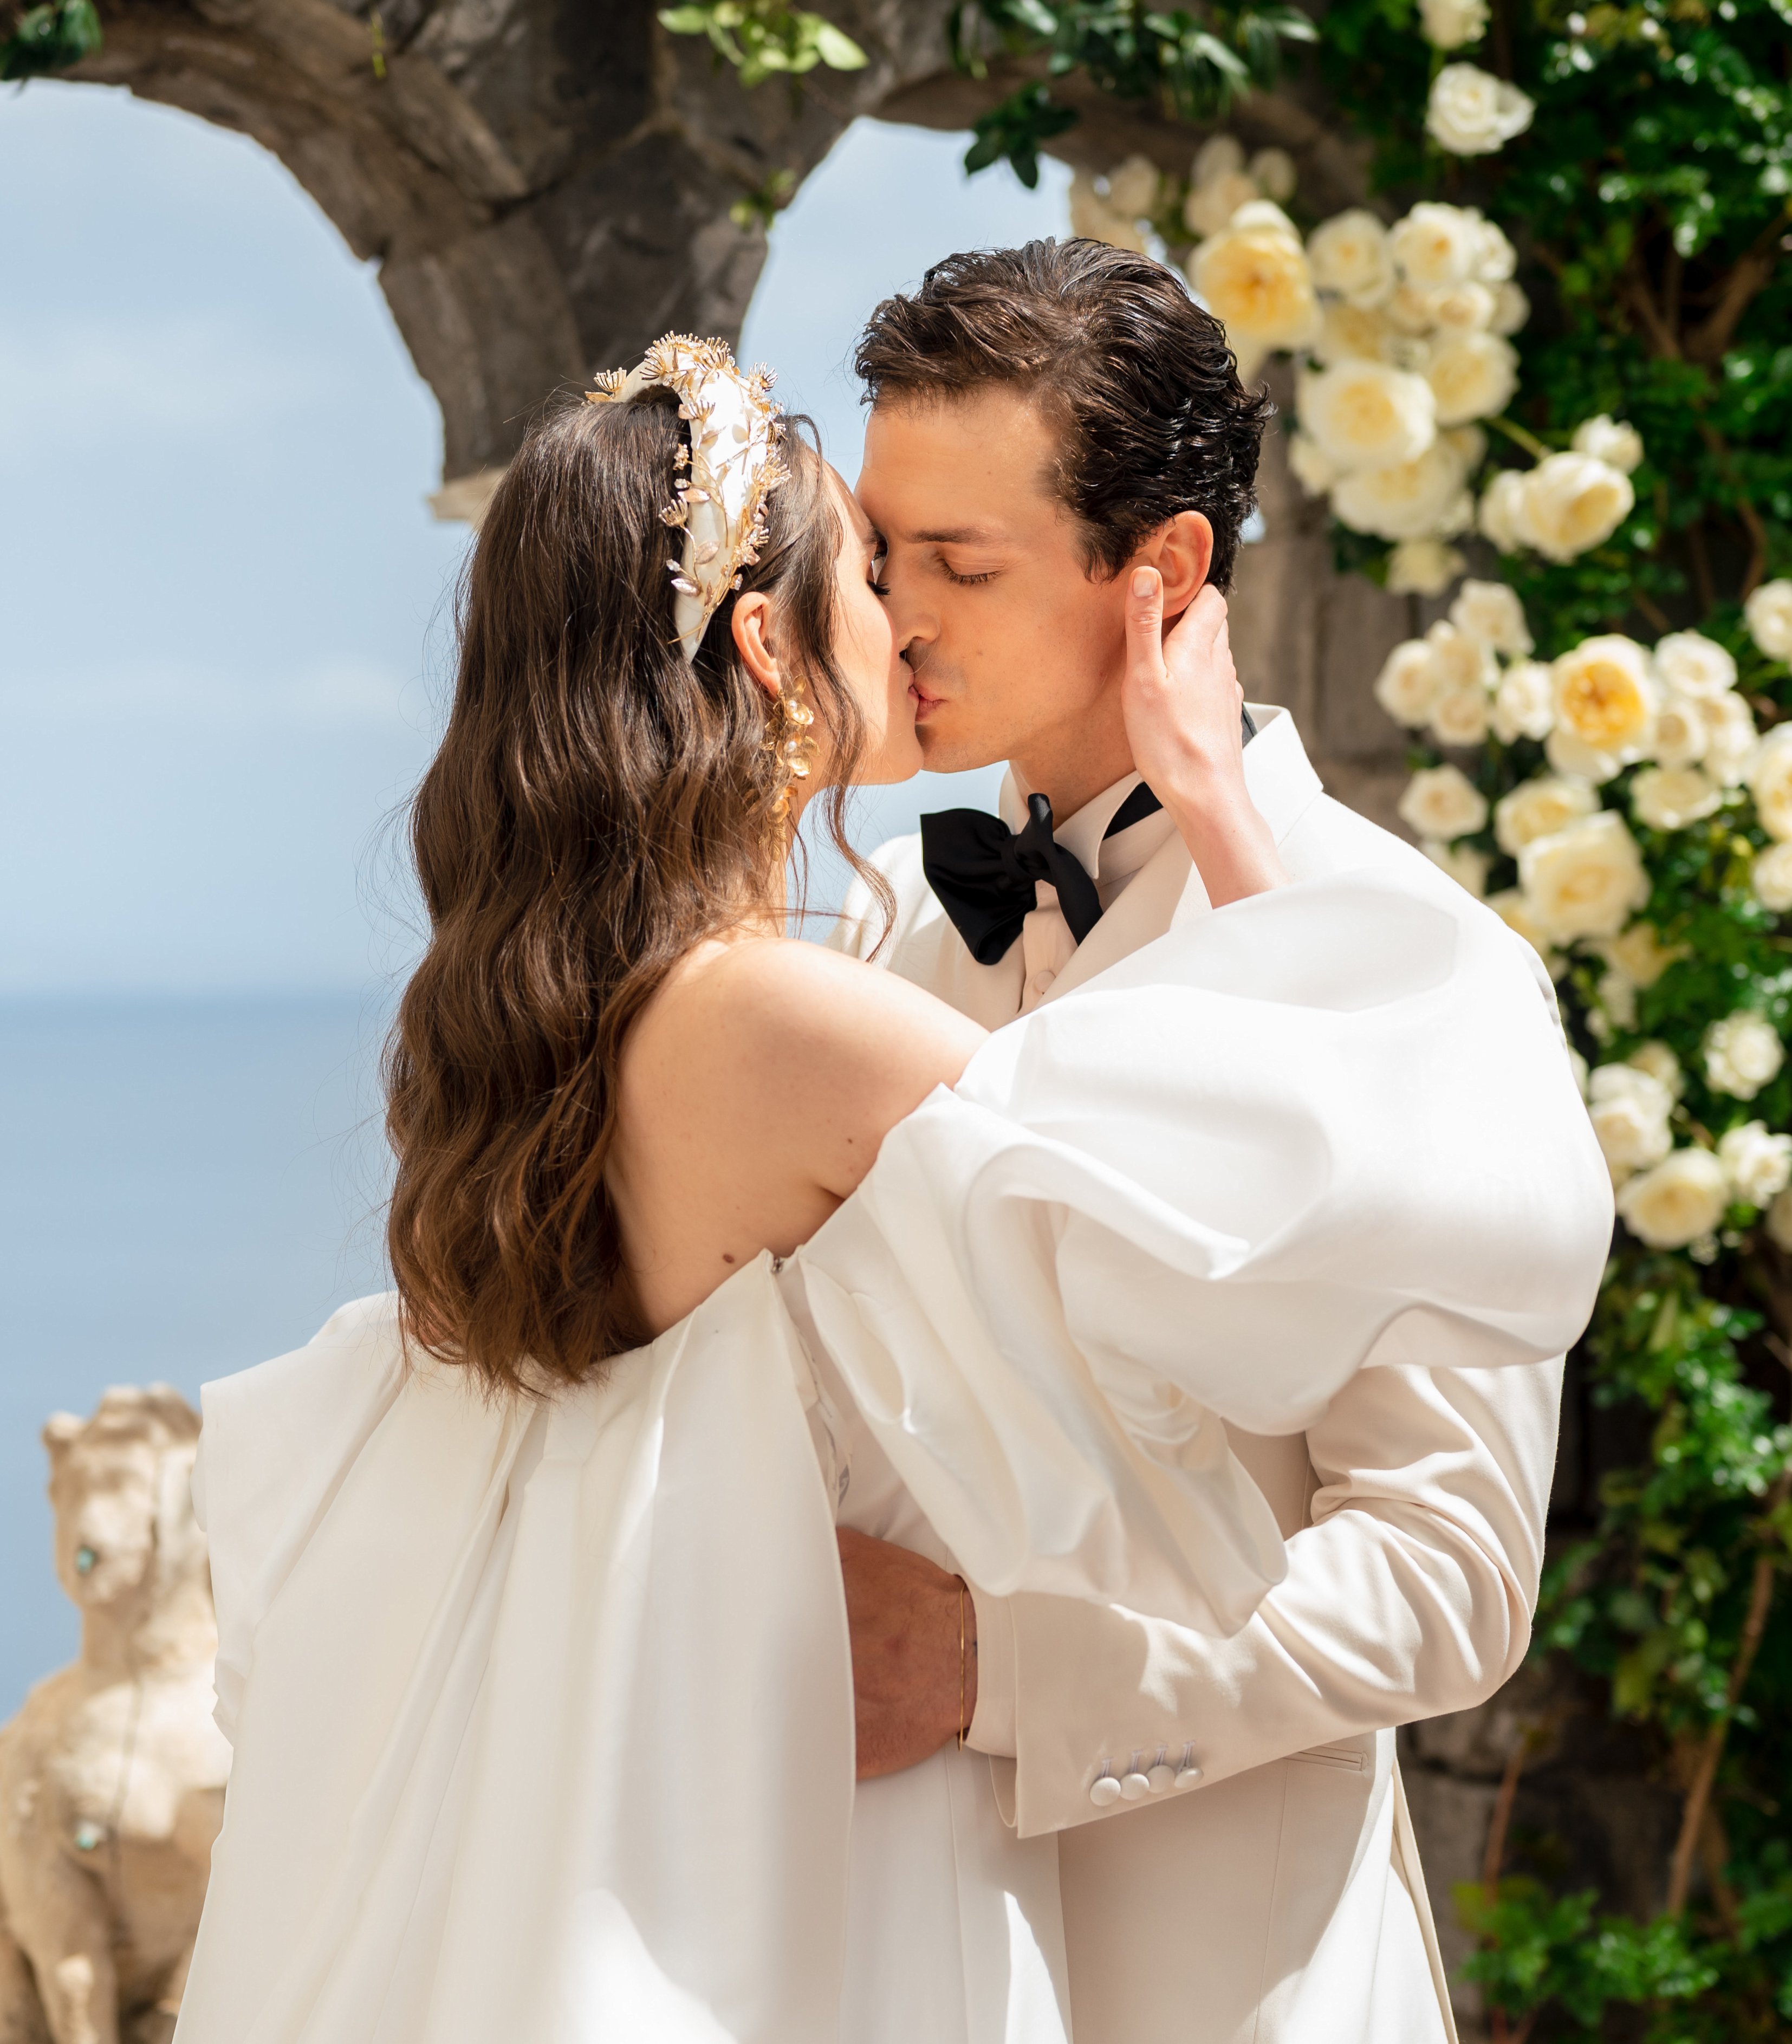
x: 786, y: 1036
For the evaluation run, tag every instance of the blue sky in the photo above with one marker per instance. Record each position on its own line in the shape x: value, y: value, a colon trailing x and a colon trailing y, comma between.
x: 225, y: 600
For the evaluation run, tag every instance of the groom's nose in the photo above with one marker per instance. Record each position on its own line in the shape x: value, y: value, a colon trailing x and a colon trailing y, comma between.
x: 913, y: 620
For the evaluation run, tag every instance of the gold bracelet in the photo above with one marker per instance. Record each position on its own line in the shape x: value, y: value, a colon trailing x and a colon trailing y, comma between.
x: 962, y: 1726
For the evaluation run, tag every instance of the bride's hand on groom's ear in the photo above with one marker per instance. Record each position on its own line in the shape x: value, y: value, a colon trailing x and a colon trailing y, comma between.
x: 1182, y: 703
x: 1181, y: 695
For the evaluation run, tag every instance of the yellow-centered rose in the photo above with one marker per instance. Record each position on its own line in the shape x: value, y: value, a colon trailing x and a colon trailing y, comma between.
x: 1606, y: 695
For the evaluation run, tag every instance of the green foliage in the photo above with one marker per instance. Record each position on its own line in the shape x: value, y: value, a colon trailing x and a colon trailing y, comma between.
x: 1648, y: 201
x: 1014, y: 131
x: 49, y: 38
x: 1538, y: 1948
x: 762, y: 206
x: 1190, y: 67
x: 763, y: 38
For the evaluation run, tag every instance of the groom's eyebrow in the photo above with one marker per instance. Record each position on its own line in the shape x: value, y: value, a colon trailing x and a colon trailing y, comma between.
x: 959, y: 536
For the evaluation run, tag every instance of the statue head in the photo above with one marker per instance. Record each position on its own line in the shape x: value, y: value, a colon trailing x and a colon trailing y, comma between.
x: 120, y: 1484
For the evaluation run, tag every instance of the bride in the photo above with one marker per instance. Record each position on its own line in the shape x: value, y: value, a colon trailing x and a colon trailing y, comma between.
x: 708, y: 1242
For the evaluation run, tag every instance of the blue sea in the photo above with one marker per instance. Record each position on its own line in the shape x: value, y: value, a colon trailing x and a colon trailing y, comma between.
x: 186, y: 1187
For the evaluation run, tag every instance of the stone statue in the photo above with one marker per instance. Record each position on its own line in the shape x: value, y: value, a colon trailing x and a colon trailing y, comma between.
x: 112, y: 1776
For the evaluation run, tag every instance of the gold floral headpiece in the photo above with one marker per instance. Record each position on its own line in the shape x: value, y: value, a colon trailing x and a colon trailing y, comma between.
x: 725, y: 477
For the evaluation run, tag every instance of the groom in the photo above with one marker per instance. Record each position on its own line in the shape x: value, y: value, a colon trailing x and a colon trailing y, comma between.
x: 1236, y: 1863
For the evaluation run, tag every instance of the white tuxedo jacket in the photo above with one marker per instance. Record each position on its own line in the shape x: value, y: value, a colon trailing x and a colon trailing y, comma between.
x: 1279, y: 1900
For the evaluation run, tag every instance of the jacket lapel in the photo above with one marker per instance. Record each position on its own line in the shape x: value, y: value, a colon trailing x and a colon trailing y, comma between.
x: 1167, y: 888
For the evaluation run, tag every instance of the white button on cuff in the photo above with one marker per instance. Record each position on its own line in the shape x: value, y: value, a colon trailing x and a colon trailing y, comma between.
x: 1187, y: 1776
x: 1160, y: 1777
x: 1135, y: 1787
x: 1104, y: 1791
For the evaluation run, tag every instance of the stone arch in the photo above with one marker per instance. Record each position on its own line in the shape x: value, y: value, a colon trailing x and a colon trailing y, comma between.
x: 548, y: 184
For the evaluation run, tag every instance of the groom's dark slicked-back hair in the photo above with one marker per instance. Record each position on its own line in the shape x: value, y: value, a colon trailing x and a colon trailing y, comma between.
x: 1137, y: 380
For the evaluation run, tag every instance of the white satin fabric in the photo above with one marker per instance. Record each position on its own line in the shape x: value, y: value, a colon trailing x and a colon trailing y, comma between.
x: 542, y: 1713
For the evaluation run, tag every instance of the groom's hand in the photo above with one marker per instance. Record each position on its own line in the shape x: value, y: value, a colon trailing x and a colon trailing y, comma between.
x: 910, y: 1678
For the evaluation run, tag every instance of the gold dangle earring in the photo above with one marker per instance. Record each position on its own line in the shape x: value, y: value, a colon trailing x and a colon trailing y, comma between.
x: 792, y: 748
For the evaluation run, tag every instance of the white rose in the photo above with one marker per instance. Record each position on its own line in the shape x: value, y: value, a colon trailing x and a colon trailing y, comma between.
x: 1435, y: 246
x: 1660, y: 1063
x: 1462, y: 662
x: 1540, y: 808
x: 1768, y: 616
x: 1629, y: 1112
x: 1459, y: 716
x: 1470, y: 113
x: 1350, y: 255
x: 1274, y: 169
x: 1366, y: 415
x: 1515, y: 911
x: 1425, y: 567
x: 1682, y: 737
x: 1640, y: 955
x: 1471, y: 442
x: 1683, y: 1198
x: 1617, y: 993
x: 1524, y: 702
x: 1468, y: 309
x: 1408, y: 683
x: 1669, y: 798
x: 1209, y: 208
x: 1465, y: 866
x: 1610, y: 440
x: 1496, y: 258
x: 1572, y: 501
x: 1692, y: 665
x: 1511, y: 308
x: 1409, y: 312
x: 1771, y: 876
x: 1743, y: 1053
x: 1501, y: 517
x: 1219, y: 156
x: 1779, y: 1221
x: 1757, y: 1164
x: 1490, y: 612
x: 1417, y: 500
x: 1132, y: 187
x: 1471, y: 377
x: 1580, y: 762
x: 1585, y: 881
x: 1254, y: 279
x: 1443, y: 802
x: 1729, y: 750
x: 1449, y: 24
x: 1093, y: 219
x: 1351, y: 333
x: 1606, y: 696
x: 1313, y: 473
x: 1770, y: 782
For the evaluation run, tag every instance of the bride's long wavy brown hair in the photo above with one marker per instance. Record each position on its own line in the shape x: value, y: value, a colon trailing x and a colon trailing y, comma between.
x: 598, y: 806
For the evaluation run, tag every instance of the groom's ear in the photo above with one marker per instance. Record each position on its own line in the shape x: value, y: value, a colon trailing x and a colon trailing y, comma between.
x: 1181, y: 550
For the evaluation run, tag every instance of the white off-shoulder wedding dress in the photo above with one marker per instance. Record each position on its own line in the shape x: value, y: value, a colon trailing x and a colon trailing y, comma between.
x: 542, y: 1712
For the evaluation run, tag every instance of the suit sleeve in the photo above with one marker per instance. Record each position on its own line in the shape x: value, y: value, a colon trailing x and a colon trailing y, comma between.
x: 1410, y: 1595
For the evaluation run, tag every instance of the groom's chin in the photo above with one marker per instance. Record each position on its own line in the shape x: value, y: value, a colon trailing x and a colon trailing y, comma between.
x: 944, y: 750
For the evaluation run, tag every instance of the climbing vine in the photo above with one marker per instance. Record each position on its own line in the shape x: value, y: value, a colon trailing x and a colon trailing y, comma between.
x: 1554, y: 354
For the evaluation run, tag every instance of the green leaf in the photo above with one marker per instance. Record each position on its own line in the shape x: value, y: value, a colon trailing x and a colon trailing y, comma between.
x: 837, y: 50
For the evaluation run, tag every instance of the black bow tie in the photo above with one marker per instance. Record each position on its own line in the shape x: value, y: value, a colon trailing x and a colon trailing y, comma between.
x: 985, y: 874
